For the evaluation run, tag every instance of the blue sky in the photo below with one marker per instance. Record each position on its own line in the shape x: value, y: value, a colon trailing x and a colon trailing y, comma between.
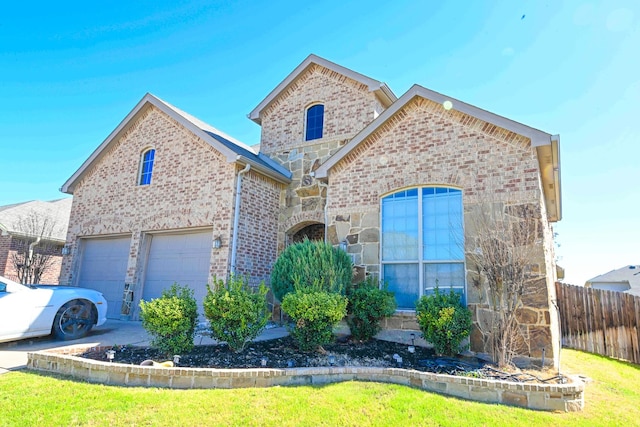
x: 71, y: 71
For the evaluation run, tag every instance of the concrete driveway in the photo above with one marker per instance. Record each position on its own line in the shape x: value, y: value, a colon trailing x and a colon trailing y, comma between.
x: 13, y: 355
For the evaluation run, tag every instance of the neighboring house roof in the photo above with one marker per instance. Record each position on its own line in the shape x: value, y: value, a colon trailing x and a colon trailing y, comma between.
x: 232, y: 149
x: 382, y: 91
x: 547, y: 146
x: 57, y: 211
x: 627, y: 276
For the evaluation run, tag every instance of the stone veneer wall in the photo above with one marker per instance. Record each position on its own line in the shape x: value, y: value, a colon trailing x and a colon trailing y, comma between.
x: 349, y: 107
x: 549, y: 397
x: 192, y: 186
x: 423, y: 144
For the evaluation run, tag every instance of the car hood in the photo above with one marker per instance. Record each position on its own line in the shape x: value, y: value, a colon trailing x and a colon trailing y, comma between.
x: 68, y: 289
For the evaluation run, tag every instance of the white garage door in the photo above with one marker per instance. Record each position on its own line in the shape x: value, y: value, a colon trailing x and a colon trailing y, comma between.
x: 103, y: 267
x: 178, y: 258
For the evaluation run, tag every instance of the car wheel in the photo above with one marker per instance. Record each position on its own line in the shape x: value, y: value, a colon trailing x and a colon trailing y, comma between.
x: 74, y: 320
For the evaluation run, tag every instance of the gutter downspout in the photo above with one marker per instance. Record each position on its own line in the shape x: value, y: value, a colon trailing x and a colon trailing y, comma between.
x: 236, y: 218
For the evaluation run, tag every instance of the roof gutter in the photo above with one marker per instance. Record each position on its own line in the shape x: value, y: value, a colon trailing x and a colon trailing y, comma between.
x: 265, y: 171
x: 236, y: 218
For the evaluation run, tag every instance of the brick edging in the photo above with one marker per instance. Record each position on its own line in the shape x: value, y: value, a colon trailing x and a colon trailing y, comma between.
x: 549, y: 397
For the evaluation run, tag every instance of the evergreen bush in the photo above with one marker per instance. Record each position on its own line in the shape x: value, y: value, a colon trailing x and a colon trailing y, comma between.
x: 314, y: 314
x: 311, y: 264
x: 171, y: 319
x: 235, y: 312
x: 444, y: 321
x: 368, y: 305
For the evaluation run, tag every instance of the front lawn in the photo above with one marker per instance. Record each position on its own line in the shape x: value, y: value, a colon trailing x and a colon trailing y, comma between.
x: 28, y: 399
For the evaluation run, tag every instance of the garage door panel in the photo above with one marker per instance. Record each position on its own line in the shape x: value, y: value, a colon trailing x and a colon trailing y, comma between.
x: 178, y: 258
x: 103, y: 267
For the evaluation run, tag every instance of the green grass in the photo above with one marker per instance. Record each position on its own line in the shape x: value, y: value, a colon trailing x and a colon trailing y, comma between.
x: 30, y: 399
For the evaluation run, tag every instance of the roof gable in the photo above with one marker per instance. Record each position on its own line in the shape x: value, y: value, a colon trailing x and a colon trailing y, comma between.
x: 547, y: 146
x: 382, y: 91
x: 629, y: 275
x: 232, y: 149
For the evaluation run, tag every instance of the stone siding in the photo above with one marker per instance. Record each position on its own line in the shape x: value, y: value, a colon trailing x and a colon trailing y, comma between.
x: 423, y: 144
x: 349, y: 107
x: 548, y: 397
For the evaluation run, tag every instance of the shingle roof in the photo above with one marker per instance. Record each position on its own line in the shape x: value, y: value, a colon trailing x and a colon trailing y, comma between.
x: 57, y: 211
x: 629, y: 274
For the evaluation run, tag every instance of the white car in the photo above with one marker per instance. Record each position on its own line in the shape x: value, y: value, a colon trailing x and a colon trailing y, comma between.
x: 34, y: 310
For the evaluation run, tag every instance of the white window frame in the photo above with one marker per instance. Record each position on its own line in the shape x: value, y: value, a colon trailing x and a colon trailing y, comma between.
x: 421, y: 262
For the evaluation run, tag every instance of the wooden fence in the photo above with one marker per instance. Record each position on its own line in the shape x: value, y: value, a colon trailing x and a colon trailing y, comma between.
x: 601, y: 322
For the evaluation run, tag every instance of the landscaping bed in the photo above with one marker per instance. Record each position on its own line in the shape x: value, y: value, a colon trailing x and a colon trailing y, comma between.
x: 283, y: 353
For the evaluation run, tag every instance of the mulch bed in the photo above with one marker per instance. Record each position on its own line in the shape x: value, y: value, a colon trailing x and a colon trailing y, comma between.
x: 283, y: 353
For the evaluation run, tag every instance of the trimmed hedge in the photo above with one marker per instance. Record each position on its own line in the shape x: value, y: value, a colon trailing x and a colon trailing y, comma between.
x: 171, y: 319
x: 236, y: 313
x: 444, y: 321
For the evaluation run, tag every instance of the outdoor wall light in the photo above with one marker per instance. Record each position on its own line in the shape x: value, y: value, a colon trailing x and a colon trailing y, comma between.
x: 66, y: 250
x: 343, y: 245
x: 176, y: 359
x: 263, y: 362
x: 110, y: 355
x: 332, y: 360
x: 217, y: 243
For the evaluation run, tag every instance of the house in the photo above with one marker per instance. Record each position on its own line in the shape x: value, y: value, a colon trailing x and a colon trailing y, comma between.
x: 20, y: 226
x: 625, y: 279
x: 169, y: 198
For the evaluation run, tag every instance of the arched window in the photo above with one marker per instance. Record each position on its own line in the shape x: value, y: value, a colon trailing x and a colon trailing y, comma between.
x: 146, y: 166
x: 314, y: 123
x: 422, y: 242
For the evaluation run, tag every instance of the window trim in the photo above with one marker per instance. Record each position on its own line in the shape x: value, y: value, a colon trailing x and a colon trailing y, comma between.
x: 306, y: 120
x: 141, y: 172
x: 421, y: 262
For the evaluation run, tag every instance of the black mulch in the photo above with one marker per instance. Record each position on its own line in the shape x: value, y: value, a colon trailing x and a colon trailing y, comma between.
x: 283, y: 353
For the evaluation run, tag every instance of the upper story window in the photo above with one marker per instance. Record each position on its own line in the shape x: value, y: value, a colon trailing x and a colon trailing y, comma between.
x: 315, y: 122
x: 422, y: 242
x: 146, y: 166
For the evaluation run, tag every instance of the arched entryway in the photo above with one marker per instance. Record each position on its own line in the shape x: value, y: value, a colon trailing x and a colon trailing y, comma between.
x: 311, y: 231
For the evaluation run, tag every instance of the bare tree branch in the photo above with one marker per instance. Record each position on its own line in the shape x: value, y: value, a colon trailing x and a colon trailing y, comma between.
x: 34, y: 251
x: 500, y: 254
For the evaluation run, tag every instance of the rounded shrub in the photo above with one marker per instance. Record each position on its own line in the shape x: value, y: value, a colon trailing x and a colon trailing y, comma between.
x: 311, y: 264
x: 236, y: 313
x: 171, y: 319
x: 314, y: 314
x: 368, y: 305
x: 444, y: 321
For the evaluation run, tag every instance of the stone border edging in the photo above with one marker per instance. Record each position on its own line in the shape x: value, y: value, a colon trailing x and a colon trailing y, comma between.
x: 548, y: 397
